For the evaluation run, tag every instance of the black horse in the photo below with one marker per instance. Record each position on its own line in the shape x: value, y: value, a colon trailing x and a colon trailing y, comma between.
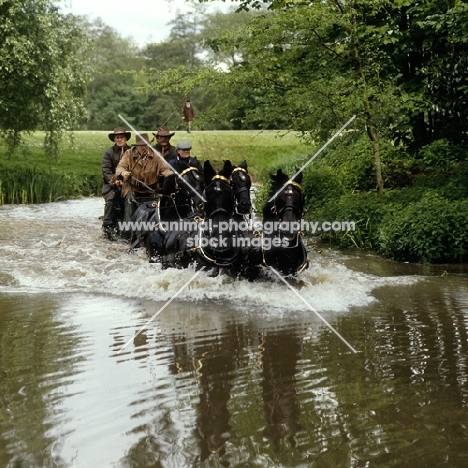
x: 241, y: 183
x: 180, y: 198
x: 282, y: 246
x: 212, y: 242
x: 182, y: 193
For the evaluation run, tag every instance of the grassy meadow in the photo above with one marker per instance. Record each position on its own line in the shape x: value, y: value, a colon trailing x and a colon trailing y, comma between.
x: 29, y: 176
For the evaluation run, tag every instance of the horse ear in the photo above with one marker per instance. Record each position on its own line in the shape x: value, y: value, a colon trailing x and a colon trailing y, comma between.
x: 279, y: 173
x: 243, y: 164
x: 227, y: 169
x: 298, y: 177
x: 208, y: 171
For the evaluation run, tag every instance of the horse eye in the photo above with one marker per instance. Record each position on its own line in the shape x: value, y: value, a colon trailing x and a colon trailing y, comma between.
x: 242, y: 176
x: 197, y: 176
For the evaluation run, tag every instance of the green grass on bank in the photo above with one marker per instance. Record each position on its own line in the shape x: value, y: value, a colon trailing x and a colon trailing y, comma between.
x: 29, y: 176
x: 422, y: 216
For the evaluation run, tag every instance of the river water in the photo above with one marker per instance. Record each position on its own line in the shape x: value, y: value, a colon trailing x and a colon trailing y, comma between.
x: 230, y: 373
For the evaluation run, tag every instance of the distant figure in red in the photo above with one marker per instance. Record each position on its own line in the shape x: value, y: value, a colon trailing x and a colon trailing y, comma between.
x: 188, y: 114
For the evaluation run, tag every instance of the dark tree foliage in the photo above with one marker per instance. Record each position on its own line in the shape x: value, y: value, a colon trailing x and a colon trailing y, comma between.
x: 42, y: 75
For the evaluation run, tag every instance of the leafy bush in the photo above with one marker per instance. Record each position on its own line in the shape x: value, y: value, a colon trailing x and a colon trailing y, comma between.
x: 320, y: 186
x: 365, y: 209
x: 441, y: 155
x: 432, y: 230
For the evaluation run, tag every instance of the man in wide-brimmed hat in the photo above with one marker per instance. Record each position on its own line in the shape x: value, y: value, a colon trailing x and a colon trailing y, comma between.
x: 111, y: 187
x: 163, y: 145
x: 140, y: 169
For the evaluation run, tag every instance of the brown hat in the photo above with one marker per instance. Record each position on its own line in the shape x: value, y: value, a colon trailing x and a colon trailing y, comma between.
x: 141, y: 139
x: 164, y: 131
x: 119, y: 131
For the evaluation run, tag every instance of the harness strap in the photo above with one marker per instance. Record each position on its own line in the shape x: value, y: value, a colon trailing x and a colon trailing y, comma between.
x: 185, y: 171
x: 239, y: 169
x: 291, y: 182
x: 220, y: 177
x: 301, y: 268
x: 227, y: 262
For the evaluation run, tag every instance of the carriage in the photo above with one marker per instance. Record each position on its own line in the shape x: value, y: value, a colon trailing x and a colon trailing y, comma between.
x: 206, y: 220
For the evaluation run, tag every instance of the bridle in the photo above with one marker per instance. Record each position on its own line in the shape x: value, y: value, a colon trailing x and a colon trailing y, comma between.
x: 240, y: 190
x: 212, y: 182
x: 209, y: 257
x: 297, y: 210
x: 184, y: 188
x: 180, y: 177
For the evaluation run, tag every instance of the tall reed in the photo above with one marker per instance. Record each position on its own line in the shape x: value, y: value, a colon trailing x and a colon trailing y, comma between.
x: 35, y: 186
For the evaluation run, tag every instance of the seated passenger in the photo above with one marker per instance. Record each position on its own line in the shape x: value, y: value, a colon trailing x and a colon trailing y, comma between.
x: 163, y: 145
x: 183, y: 154
x: 141, y: 168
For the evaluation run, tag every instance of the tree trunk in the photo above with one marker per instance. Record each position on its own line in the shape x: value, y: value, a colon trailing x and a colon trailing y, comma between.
x: 369, y: 126
x: 376, y: 150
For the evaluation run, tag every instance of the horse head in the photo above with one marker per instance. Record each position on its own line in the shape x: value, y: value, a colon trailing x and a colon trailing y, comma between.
x: 241, y: 183
x: 182, y: 192
x: 218, y: 194
x: 190, y: 184
x: 286, y: 203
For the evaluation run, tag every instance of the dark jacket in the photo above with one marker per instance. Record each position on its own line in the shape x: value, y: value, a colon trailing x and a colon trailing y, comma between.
x: 170, y: 153
x: 188, y: 113
x: 191, y: 161
x: 110, y: 160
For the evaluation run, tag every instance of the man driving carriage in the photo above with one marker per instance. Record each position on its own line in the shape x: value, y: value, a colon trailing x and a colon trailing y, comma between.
x: 163, y: 145
x: 141, y: 168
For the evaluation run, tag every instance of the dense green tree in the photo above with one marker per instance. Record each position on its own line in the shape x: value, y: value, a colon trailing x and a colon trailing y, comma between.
x: 309, y: 65
x: 42, y: 72
x: 110, y: 88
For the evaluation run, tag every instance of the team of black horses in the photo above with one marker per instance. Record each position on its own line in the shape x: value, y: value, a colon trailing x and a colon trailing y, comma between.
x: 206, y: 220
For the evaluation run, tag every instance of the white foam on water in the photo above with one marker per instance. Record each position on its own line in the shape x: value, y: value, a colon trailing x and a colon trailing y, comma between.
x: 59, y: 247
